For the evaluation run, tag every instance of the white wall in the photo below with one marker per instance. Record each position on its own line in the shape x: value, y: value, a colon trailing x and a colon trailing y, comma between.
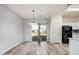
x: 56, y: 29
x: 28, y: 28
x: 74, y: 22
x: 69, y: 20
x: 10, y: 29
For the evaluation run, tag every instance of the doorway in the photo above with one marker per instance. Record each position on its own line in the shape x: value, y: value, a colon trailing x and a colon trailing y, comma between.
x: 39, y: 32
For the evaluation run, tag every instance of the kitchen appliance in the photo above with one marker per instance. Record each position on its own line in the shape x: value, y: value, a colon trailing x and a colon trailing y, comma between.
x: 66, y: 33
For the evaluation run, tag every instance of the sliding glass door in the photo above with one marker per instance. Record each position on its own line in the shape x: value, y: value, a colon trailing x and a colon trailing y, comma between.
x: 39, y: 32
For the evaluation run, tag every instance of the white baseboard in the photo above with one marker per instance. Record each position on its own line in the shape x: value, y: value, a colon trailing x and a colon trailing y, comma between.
x: 56, y: 42
x: 27, y: 40
x: 14, y: 45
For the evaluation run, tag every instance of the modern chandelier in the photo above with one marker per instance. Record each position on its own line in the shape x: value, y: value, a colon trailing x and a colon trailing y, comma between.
x: 33, y: 21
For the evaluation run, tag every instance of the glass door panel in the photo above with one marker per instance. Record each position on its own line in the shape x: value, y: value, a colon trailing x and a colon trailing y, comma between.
x: 43, y: 32
x: 34, y: 32
x: 39, y: 32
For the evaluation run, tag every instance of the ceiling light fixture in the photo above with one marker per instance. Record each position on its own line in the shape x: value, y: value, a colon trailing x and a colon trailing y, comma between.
x: 33, y: 16
x: 67, y: 6
x: 71, y: 7
x: 33, y: 22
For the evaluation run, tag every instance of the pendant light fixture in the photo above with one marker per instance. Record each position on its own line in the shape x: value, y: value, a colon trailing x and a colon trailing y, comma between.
x: 33, y: 16
x: 33, y: 21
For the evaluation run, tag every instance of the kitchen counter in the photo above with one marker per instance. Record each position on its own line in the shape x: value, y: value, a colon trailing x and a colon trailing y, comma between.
x: 74, y: 44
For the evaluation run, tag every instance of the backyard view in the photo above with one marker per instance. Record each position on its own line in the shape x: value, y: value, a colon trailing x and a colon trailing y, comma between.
x: 42, y: 31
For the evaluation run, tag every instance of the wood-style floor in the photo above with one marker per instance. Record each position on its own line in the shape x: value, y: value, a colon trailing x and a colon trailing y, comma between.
x: 45, y: 48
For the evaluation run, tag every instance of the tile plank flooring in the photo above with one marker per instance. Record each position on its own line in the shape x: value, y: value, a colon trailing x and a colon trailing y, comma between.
x: 45, y: 48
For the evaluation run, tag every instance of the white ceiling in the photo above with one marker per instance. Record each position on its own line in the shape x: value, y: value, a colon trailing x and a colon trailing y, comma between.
x: 41, y: 10
x: 72, y: 14
x: 44, y: 10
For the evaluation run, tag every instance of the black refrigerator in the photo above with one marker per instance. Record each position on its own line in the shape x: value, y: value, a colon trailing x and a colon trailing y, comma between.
x: 66, y: 34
